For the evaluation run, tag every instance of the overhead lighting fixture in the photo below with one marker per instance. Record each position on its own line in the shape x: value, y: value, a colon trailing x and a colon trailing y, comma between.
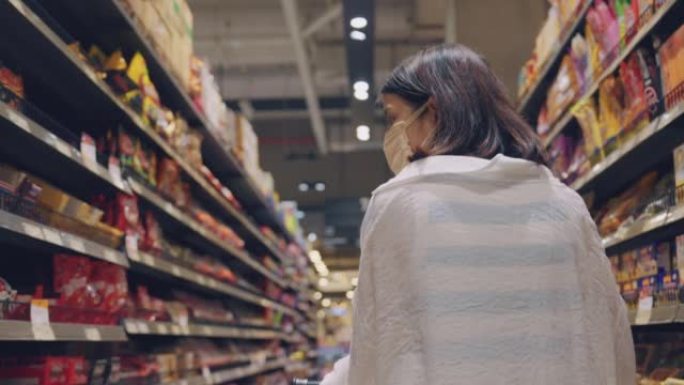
x: 350, y: 294
x: 300, y: 214
x: 358, y: 22
x: 361, y: 86
x: 318, y: 295
x: 361, y: 95
x: 303, y: 187
x: 357, y: 35
x: 326, y: 302
x: 319, y: 186
x: 312, y: 237
x: 320, y: 314
x: 315, y: 256
x: 355, y: 281
x: 363, y: 133
x: 323, y: 282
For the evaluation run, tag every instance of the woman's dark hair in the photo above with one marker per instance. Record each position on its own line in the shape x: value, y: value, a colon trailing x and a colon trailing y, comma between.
x: 474, y: 115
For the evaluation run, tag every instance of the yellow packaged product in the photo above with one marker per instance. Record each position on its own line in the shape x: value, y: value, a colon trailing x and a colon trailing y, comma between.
x: 585, y: 113
x: 610, y: 112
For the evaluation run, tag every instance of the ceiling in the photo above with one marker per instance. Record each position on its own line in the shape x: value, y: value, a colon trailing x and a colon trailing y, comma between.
x: 248, y: 44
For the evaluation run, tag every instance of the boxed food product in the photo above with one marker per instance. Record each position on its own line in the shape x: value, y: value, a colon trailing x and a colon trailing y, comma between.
x: 628, y: 266
x: 647, y: 264
x: 671, y: 55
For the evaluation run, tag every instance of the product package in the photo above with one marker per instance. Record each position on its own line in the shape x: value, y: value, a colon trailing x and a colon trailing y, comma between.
x: 671, y: 55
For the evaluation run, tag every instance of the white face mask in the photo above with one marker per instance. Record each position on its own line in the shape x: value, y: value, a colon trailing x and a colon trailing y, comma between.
x: 396, y: 145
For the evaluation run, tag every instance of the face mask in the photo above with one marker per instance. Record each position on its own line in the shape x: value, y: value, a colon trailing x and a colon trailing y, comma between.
x: 396, y: 145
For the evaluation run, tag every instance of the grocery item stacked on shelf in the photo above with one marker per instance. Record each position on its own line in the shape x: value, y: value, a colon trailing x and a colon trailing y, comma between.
x: 143, y: 236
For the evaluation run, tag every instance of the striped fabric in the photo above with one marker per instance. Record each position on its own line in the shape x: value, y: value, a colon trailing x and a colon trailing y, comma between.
x: 479, y: 271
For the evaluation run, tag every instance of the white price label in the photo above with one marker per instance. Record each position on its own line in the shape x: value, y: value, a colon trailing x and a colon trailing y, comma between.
x: 185, y: 329
x: 175, y: 330
x: 32, y: 230
x: 88, y: 152
x: 148, y: 260
x: 40, y: 320
x: 643, y: 315
x: 93, y: 334
x: 132, y: 247
x: 207, y: 331
x: 162, y: 329
x: 132, y: 327
x: 76, y: 244
x: 52, y: 236
x: 111, y: 256
x: 115, y: 172
x: 144, y: 327
x: 175, y: 270
x: 19, y: 120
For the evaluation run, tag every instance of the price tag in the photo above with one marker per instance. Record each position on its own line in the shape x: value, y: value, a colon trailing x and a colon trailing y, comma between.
x: 76, y: 244
x: 111, y: 256
x: 206, y: 330
x: 132, y: 247
x: 93, y: 334
x: 88, y: 152
x: 144, y: 327
x: 148, y: 260
x: 40, y: 320
x: 185, y: 330
x: 643, y: 315
x: 206, y: 373
x: 18, y: 120
x: 132, y: 327
x: 175, y: 330
x: 175, y: 271
x: 115, y: 172
x: 32, y: 230
x: 52, y: 236
x: 162, y: 329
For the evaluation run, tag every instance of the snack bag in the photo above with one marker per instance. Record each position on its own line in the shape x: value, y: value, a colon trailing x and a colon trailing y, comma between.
x: 678, y: 155
x: 72, y: 281
x: 611, y: 96
x: 636, y: 114
x: 152, y: 242
x: 650, y: 72
x: 585, y: 113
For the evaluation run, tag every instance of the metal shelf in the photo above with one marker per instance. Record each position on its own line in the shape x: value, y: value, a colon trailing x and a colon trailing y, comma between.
x: 29, y: 233
x: 138, y: 327
x: 49, y: 153
x: 666, y: 121
x: 645, y: 226
x: 644, y: 31
x: 536, y: 91
x: 664, y: 315
x: 247, y: 371
x: 173, y: 270
x: 181, y: 218
x: 26, y: 331
x: 98, y: 96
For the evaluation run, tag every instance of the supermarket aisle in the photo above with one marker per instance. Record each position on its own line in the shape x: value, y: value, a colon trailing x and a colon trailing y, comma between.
x: 182, y: 182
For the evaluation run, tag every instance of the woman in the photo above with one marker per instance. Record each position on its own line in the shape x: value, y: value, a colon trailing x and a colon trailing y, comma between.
x: 477, y: 265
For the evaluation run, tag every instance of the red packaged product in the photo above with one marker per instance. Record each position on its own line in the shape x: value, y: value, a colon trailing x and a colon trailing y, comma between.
x: 127, y: 216
x: 636, y: 106
x: 72, y: 281
x: 110, y: 282
x: 152, y: 241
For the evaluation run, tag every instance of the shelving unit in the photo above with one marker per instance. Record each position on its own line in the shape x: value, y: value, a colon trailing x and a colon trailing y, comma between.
x: 30, y: 39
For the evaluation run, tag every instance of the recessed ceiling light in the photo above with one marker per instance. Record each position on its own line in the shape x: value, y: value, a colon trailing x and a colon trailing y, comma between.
x: 312, y: 237
x: 303, y: 187
x: 326, y: 302
x: 300, y: 214
x: 357, y: 35
x: 361, y: 95
x: 318, y: 295
x: 358, y: 22
x: 363, y: 133
x: 355, y: 281
x: 323, y: 282
x: 319, y: 186
x: 350, y: 294
x: 361, y: 86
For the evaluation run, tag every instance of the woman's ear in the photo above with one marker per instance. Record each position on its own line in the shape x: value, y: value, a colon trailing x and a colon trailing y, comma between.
x: 431, y: 115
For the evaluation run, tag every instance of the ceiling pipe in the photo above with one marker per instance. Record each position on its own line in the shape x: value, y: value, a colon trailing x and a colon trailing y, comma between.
x: 333, y: 13
x: 304, y: 67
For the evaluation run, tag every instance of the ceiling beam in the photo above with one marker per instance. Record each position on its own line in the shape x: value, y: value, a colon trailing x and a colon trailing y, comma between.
x: 305, y: 73
x: 330, y: 15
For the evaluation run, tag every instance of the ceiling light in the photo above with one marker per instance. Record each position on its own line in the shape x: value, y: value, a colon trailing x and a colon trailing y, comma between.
x: 300, y: 214
x: 358, y: 22
x: 361, y: 86
x: 312, y: 237
x: 350, y: 294
x: 357, y: 35
x: 319, y: 186
x: 361, y: 95
x: 355, y: 281
x: 303, y: 187
x: 326, y: 302
x: 321, y: 314
x: 323, y: 282
x: 315, y: 256
x: 318, y: 295
x: 363, y: 133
